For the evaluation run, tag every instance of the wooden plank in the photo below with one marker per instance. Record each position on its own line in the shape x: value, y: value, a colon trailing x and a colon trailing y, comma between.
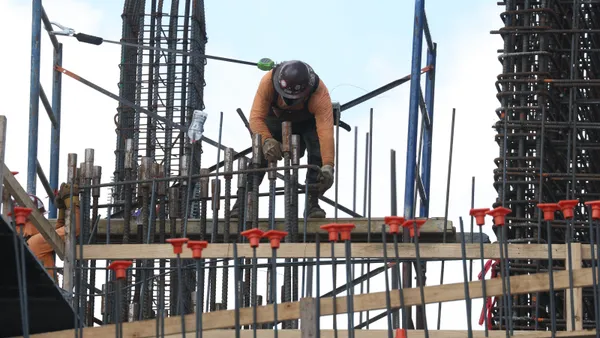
x: 433, y: 226
x: 384, y: 334
x: 37, y: 219
x: 450, y: 251
x: 365, y: 302
x: 372, y: 334
x: 308, y: 320
x: 577, y: 292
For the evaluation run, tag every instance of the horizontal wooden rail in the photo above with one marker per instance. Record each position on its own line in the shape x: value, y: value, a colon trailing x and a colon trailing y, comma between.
x: 308, y: 250
x: 364, y: 302
x: 47, y: 230
x: 384, y: 334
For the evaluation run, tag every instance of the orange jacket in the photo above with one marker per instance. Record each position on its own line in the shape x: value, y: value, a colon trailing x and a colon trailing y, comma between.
x: 30, y: 229
x: 319, y: 105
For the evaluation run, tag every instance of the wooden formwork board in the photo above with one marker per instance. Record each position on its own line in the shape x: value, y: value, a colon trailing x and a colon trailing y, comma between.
x: 364, y: 302
x: 46, y: 228
x: 431, y: 231
x: 428, y: 251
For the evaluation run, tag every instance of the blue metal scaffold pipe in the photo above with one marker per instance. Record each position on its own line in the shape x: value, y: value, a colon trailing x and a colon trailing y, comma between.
x: 413, y: 110
x: 428, y: 134
x: 34, y: 94
x: 55, y: 132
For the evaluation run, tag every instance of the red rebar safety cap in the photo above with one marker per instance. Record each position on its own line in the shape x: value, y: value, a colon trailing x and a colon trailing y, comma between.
x: 549, y: 209
x: 333, y: 231
x: 197, y: 247
x: 400, y: 333
x: 253, y: 236
x: 410, y: 225
x: 595, y: 209
x: 479, y: 215
x: 345, y: 230
x: 394, y: 222
x: 499, y: 215
x: 14, y: 173
x: 177, y: 243
x: 21, y: 214
x: 119, y: 268
x: 275, y: 237
x: 567, y: 207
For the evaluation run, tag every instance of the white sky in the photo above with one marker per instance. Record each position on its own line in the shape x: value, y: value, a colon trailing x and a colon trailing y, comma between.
x: 467, y: 67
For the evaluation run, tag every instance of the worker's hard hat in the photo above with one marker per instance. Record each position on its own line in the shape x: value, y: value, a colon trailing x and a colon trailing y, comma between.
x: 294, y: 80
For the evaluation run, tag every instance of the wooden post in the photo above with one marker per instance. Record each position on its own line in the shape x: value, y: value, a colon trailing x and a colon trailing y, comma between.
x: 308, y: 321
x: 577, y: 292
x: 69, y: 242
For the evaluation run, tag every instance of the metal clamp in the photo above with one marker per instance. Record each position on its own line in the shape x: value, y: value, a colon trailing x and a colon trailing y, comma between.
x: 64, y: 30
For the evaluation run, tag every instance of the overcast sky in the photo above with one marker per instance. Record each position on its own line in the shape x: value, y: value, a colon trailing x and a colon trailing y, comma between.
x: 352, y: 46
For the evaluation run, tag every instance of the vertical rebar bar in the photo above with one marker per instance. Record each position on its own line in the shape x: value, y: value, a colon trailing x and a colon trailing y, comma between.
x: 466, y: 279
x: 387, y: 285
x: 450, y: 152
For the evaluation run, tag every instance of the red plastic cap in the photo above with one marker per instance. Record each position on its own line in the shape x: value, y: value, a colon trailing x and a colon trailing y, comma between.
x: 177, y: 243
x: 499, y: 215
x: 197, y: 247
x: 400, y: 333
x: 394, y: 222
x: 14, y: 173
x: 275, y: 237
x: 21, y: 214
x: 549, y: 209
x: 253, y: 236
x: 410, y: 224
x: 479, y: 215
x: 567, y: 207
x: 595, y: 209
x: 120, y: 267
x: 333, y: 231
x: 342, y: 228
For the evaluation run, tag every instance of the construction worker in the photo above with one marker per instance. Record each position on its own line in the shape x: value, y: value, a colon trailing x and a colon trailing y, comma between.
x: 37, y: 243
x: 293, y: 92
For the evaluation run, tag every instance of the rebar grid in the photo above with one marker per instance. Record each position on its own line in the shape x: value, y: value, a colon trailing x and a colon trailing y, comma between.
x: 547, y: 132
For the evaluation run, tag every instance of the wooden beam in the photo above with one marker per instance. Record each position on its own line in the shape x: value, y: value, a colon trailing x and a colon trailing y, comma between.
x: 577, y: 292
x: 433, y: 227
x: 37, y: 219
x: 365, y: 302
x: 429, y: 251
x: 384, y: 334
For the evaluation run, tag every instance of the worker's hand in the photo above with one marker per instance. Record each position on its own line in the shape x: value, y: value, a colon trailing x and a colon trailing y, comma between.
x: 65, y: 190
x: 325, y: 179
x: 272, y: 150
x: 59, y: 203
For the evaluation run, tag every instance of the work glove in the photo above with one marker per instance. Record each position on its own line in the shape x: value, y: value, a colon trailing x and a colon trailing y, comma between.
x: 272, y: 150
x: 65, y: 190
x: 325, y: 179
x: 63, y: 200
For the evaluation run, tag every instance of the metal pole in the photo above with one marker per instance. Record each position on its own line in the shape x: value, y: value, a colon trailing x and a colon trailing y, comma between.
x: 34, y: 94
x: 439, y: 319
x: 69, y: 243
x: 55, y: 130
x: 413, y: 110
x: 3, y: 124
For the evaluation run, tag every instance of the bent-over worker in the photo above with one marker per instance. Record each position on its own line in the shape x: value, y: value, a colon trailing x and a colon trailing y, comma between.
x: 293, y: 92
x: 37, y: 243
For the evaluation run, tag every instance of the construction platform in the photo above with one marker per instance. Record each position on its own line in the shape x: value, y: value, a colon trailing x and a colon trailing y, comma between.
x: 48, y: 310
